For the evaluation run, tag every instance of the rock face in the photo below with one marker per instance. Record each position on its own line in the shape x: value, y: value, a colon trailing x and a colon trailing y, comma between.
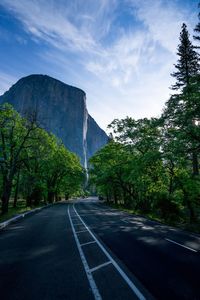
x: 61, y: 109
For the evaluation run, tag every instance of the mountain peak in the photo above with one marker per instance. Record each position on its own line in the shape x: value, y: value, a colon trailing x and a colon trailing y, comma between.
x: 61, y: 109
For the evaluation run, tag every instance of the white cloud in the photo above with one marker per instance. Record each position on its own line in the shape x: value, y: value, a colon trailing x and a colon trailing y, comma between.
x: 125, y: 75
x: 122, y: 60
x: 71, y: 26
x: 48, y: 22
x: 162, y: 19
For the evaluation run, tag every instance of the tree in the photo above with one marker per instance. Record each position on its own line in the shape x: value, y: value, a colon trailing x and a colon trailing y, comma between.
x: 52, y: 171
x: 183, y: 108
x: 181, y: 142
x: 34, y: 173
x: 188, y: 62
x: 181, y: 134
x: 142, y: 134
x: 15, y: 139
x: 197, y: 28
x: 34, y: 163
x: 63, y: 171
x: 145, y: 167
x: 107, y: 172
x: 130, y: 168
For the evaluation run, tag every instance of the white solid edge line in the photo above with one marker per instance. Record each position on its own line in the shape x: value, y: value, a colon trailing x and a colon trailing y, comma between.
x: 121, y: 272
x: 92, y: 283
x: 181, y: 245
x: 100, y: 266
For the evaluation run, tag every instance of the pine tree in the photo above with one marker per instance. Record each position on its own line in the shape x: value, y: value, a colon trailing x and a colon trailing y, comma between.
x: 197, y: 29
x: 188, y: 62
x: 182, y: 108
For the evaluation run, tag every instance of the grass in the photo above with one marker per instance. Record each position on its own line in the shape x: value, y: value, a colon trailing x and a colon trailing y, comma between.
x: 182, y: 225
x: 21, y: 208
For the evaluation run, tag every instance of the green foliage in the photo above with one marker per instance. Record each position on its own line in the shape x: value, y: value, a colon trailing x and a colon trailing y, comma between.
x: 152, y: 165
x: 146, y: 168
x: 188, y: 62
x: 34, y: 164
x: 130, y: 171
x: 197, y: 28
x: 167, y: 207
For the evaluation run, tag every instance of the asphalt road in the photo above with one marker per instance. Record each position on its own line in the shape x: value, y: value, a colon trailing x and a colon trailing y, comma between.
x: 89, y: 251
x: 39, y: 259
x: 164, y: 259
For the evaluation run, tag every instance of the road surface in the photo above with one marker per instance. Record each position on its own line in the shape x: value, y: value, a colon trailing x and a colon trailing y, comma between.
x: 85, y: 250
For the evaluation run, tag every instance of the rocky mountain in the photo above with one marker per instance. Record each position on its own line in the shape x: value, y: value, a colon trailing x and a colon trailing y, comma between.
x: 61, y: 109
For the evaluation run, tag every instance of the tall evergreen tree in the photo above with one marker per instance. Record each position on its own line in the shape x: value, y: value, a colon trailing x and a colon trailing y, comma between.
x: 197, y: 28
x: 182, y: 109
x: 188, y: 62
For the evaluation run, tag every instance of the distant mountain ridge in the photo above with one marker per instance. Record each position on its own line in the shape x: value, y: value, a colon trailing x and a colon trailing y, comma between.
x: 61, y: 109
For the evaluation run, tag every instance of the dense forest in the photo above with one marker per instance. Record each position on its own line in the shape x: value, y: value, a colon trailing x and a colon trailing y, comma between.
x: 34, y: 165
x: 152, y: 165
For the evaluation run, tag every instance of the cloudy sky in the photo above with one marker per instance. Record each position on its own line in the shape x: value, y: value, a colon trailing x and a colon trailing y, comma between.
x: 120, y: 52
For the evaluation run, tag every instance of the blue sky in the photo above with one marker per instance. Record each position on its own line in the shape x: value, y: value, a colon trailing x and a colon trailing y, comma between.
x: 120, y: 52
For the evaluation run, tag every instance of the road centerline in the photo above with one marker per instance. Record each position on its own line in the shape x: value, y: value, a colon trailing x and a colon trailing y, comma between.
x: 92, y: 283
x: 132, y: 286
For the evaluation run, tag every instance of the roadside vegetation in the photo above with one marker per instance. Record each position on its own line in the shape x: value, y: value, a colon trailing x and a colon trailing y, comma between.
x: 35, y: 166
x: 151, y: 166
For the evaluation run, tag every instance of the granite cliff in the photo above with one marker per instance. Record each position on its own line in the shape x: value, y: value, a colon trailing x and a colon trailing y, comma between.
x: 61, y: 109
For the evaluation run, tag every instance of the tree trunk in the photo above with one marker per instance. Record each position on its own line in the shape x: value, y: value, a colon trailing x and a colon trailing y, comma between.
x: 171, y: 176
x: 107, y: 197
x: 16, y: 190
x: 6, y: 196
x: 192, y: 215
x: 192, y: 212
x: 4, y: 206
x: 29, y: 201
x: 50, y: 196
x: 36, y: 196
x: 57, y: 198
x: 195, y: 163
x: 170, y: 185
x: 66, y: 196
x: 33, y: 199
